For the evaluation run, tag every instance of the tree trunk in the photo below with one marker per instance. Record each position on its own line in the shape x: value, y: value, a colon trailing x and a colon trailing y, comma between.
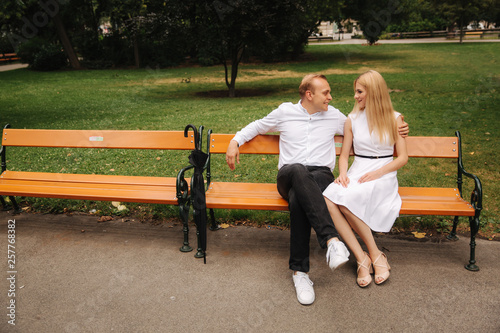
x: 235, y: 61
x: 234, y: 74
x: 68, y: 48
x: 136, y: 53
x: 461, y: 31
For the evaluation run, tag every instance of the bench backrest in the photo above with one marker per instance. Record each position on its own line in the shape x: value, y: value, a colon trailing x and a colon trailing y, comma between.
x: 171, y: 140
x: 417, y: 146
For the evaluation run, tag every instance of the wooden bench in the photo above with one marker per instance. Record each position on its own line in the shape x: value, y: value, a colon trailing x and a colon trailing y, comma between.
x: 319, y: 38
x: 473, y: 34
x: 139, y: 189
x: 416, y: 200
x: 8, y: 57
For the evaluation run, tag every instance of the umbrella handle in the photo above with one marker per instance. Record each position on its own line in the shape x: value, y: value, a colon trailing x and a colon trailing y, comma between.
x: 200, y: 136
x: 196, y: 143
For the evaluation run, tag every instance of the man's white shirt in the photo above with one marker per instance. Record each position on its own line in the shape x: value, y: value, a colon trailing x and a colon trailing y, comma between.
x: 305, y: 138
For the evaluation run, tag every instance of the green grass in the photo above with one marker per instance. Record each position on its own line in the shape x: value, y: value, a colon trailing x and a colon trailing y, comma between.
x: 439, y: 88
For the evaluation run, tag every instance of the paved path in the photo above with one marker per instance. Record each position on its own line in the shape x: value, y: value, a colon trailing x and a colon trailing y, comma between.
x: 74, y: 274
x: 10, y: 67
x: 405, y: 41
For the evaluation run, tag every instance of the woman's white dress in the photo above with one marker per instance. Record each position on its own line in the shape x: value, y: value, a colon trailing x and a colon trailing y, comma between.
x: 376, y: 202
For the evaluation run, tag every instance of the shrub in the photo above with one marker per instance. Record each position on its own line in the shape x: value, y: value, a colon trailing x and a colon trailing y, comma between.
x: 5, y: 45
x: 28, y: 50
x: 40, y: 55
x: 49, y: 58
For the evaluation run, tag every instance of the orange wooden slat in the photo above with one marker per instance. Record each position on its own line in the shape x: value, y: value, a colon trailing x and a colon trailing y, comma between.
x: 433, y: 201
x: 261, y: 144
x: 82, y: 178
x: 260, y: 196
x: 422, y: 146
x: 97, y: 139
x: 90, y: 191
x: 417, y: 146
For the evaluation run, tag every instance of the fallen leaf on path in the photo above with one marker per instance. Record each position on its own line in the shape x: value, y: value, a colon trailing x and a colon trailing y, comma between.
x: 418, y: 234
x: 105, y: 219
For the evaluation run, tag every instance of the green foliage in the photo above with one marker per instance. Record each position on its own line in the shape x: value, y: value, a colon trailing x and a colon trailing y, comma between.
x: 5, y: 45
x: 29, y: 49
x: 418, y: 16
x: 459, y: 12
x: 49, y: 58
x: 374, y: 16
x: 42, y: 56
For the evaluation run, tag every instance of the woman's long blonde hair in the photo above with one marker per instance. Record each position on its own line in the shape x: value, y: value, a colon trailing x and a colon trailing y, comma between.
x: 378, y: 107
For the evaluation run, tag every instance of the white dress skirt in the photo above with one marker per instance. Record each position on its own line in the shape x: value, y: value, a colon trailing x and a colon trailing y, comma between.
x: 377, y: 202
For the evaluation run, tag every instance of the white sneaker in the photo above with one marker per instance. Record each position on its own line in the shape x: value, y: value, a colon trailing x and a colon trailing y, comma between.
x: 336, y: 254
x: 304, y: 288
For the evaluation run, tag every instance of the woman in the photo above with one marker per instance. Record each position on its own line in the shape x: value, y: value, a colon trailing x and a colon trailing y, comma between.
x: 365, y: 197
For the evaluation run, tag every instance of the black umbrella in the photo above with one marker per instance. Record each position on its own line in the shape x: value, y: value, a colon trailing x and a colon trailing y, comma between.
x: 198, y: 159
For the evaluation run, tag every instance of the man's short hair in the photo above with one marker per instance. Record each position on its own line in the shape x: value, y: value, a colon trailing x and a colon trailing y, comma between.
x: 306, y: 83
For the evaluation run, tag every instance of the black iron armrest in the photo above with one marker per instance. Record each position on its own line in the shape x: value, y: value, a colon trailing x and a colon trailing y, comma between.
x: 477, y: 194
x: 181, y: 185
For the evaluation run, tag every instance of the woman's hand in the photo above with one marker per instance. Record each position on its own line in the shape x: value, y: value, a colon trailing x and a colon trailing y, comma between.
x: 369, y: 176
x: 342, y: 180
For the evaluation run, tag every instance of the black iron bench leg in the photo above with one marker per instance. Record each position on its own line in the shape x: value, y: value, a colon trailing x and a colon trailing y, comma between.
x: 184, y: 212
x: 199, y: 252
x: 453, y: 234
x: 17, y: 209
x: 213, y: 225
x: 474, y: 228
x: 5, y: 207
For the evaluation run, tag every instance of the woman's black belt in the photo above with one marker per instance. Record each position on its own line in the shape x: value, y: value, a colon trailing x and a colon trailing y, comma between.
x: 373, y: 157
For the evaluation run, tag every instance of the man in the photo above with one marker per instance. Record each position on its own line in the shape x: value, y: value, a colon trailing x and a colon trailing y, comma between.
x: 306, y: 160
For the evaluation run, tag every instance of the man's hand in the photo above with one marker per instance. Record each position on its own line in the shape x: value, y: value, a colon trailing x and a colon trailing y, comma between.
x: 232, y: 154
x: 404, y: 129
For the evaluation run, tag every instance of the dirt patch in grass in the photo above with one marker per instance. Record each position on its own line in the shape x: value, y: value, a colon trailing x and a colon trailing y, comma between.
x: 252, y: 75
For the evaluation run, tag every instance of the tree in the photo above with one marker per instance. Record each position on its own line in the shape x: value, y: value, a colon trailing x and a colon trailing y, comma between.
x: 418, y: 15
x: 155, y: 31
x: 459, y: 12
x: 228, y: 30
x: 63, y: 37
x: 490, y: 12
x: 374, y: 16
x: 24, y: 20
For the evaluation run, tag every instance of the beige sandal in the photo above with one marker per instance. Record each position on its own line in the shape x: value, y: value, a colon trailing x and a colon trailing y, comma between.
x: 367, y: 279
x: 384, y: 276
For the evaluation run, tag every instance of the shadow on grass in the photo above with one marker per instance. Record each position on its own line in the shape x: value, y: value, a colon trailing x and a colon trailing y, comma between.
x: 222, y: 93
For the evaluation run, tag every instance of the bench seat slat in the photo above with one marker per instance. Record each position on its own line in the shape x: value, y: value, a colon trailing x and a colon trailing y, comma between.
x: 265, y: 196
x: 259, y: 196
x: 87, y: 178
x: 90, y: 187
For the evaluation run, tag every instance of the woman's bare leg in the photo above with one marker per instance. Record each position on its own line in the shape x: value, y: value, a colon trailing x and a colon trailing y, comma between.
x: 364, y: 231
x: 345, y: 231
